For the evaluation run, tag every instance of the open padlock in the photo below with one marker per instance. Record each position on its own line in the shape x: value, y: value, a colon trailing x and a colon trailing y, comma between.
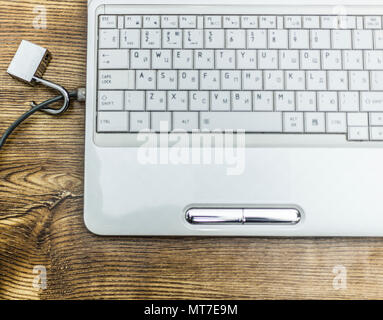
x: 29, y: 64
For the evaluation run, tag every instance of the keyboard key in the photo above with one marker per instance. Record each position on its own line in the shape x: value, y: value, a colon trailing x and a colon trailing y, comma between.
x: 188, y: 22
x: 316, y: 80
x: 341, y: 39
x: 249, y: 22
x: 169, y: 22
x: 182, y: 59
x: 347, y: 22
x: 140, y: 59
x: 336, y: 122
x: 172, y: 39
x: 327, y: 101
x: 256, y: 39
x: 331, y: 59
x: 185, y: 121
x: 110, y: 101
x: 373, y: 60
x: 293, y: 22
x: 353, y: 59
x: 358, y: 133
x: 220, y: 101
x: 177, y: 100
x: 362, y: 39
x: 151, y: 39
x: 268, y: 59
x: 348, y: 101
x: 241, y: 100
x: 293, y: 122
x: 371, y: 101
x: 295, y: 80
x: 113, y: 59
x: 289, y: 59
x: 235, y: 39
x: 320, y: 39
x: 210, y: 80
x: 151, y: 22
x: 108, y: 22
x: 378, y: 39
x: 376, y: 119
x: 315, y: 122
x: 266, y: 122
x: 246, y: 59
x: 161, y: 59
x: 225, y: 59
x: 139, y: 121
x: 263, y: 101
x: 284, y: 101
x: 188, y: 79
x: 167, y: 80
x: 135, y: 100
x: 373, y: 22
x: 376, y: 133
x: 130, y: 38
x: 231, y: 80
x: 213, y: 22
x: 278, y: 39
x: 199, y: 100
x: 329, y: 22
x: 252, y: 80
x: 133, y: 22
x: 146, y: 79
x: 115, y: 79
x: 359, y: 80
x: 156, y: 100
x: 299, y: 39
x: 193, y: 39
x: 231, y: 22
x: 357, y: 119
x: 273, y: 80
x: 311, y: 22
x: 112, y: 121
x: 267, y: 22
x: 161, y: 121
x: 214, y: 39
x: 337, y: 80
x: 306, y: 101
x: 310, y: 59
x: 109, y: 39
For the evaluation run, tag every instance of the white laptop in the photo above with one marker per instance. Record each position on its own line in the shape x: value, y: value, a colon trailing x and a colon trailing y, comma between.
x: 234, y: 118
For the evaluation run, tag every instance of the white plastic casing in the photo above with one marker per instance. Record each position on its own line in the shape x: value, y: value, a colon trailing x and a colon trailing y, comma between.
x: 338, y: 188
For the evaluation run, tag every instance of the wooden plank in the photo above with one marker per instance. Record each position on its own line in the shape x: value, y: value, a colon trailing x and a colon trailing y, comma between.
x: 41, y: 195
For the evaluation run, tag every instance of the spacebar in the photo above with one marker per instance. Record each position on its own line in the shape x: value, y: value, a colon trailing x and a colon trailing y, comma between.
x: 248, y: 121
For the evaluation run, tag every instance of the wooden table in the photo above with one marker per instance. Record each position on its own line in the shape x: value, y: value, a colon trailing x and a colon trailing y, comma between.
x: 41, y: 207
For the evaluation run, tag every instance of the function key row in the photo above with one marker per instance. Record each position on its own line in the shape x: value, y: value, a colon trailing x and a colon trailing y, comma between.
x: 239, y: 21
x: 239, y: 39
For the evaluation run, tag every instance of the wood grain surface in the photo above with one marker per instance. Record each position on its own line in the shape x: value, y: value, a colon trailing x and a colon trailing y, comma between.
x: 41, y: 208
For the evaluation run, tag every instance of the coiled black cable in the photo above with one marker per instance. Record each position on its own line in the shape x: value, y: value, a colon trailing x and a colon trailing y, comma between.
x: 39, y: 107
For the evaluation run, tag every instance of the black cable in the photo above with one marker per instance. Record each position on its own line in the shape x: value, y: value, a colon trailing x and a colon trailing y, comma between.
x: 26, y: 115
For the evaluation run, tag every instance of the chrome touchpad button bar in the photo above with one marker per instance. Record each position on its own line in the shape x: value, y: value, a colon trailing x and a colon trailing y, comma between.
x: 214, y: 216
x: 287, y: 216
x: 271, y: 216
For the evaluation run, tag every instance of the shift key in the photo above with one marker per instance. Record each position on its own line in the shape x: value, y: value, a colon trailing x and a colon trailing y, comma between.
x: 116, y: 79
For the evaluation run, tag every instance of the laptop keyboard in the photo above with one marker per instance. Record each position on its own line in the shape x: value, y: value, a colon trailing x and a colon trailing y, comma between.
x: 261, y: 74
